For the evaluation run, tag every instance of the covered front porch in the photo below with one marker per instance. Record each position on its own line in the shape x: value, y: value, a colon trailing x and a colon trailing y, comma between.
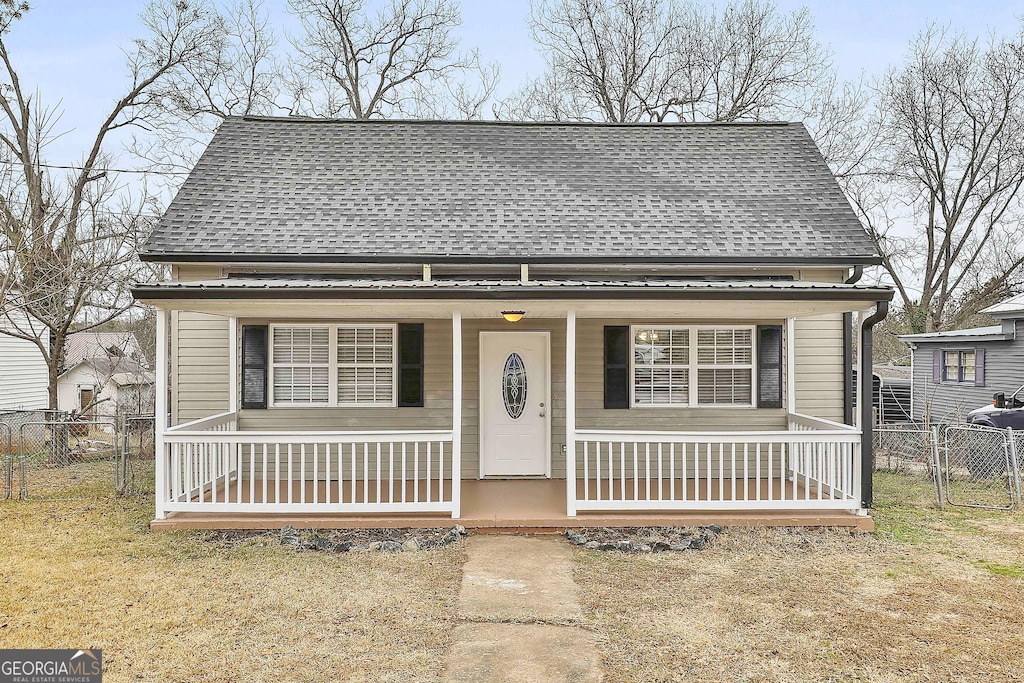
x: 537, y: 505
x: 760, y: 466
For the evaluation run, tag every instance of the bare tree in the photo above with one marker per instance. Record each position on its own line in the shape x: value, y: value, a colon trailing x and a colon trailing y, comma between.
x: 240, y: 75
x: 70, y: 233
x: 952, y: 151
x: 639, y: 60
x: 462, y: 97
x: 352, y: 64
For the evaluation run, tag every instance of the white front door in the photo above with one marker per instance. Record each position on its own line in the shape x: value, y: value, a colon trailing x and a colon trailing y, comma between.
x: 515, y: 410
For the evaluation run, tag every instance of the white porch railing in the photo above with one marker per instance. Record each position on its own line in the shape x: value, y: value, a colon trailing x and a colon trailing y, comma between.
x: 210, y: 466
x: 815, y: 464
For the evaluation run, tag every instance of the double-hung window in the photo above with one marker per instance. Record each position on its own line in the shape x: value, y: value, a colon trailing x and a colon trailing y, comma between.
x: 351, y: 365
x: 301, y: 365
x: 959, y: 366
x: 366, y: 365
x: 692, y: 366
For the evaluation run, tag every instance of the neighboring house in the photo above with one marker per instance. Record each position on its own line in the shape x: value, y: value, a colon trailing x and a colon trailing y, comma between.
x: 92, y: 344
x: 23, y: 373
x: 106, y: 375
x: 515, y: 325
x: 956, y: 371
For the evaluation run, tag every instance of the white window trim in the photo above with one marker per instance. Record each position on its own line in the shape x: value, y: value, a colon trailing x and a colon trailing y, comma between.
x: 694, y: 367
x: 332, y: 362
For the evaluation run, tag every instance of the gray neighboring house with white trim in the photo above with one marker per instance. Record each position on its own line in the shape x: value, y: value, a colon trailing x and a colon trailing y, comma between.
x: 512, y: 324
x: 956, y: 371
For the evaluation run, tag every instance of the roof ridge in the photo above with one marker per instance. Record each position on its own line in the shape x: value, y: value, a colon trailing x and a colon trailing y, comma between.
x: 481, y: 122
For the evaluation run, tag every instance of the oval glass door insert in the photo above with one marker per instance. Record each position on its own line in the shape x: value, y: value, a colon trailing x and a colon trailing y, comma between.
x: 513, y: 385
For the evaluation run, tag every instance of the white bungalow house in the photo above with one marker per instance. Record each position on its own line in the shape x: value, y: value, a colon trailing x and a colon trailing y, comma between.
x: 106, y: 375
x: 515, y: 325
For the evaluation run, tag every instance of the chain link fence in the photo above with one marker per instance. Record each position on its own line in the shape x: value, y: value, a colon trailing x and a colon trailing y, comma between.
x: 960, y: 465
x: 136, y: 473
x: 7, y: 459
x: 909, y: 454
x: 49, y: 456
x: 979, y: 467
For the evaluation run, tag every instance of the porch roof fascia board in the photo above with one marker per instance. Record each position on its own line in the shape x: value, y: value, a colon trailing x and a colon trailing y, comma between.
x: 299, y: 290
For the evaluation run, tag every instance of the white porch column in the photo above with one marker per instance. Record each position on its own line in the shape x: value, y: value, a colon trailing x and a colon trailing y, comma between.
x: 791, y: 365
x: 160, y: 412
x: 858, y: 422
x: 233, y: 360
x: 570, y: 413
x: 456, y: 415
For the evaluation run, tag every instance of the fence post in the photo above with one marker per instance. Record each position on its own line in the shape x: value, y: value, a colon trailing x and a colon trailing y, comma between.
x: 1014, y: 464
x: 5, y: 429
x: 937, y: 467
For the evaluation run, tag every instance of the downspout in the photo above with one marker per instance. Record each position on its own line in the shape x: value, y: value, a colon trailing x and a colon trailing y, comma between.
x: 867, y: 454
x: 858, y: 271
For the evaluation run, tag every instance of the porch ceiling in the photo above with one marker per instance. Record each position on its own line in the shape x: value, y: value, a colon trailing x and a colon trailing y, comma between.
x: 390, y: 298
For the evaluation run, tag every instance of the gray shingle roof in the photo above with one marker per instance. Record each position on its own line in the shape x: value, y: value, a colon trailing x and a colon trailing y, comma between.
x: 404, y: 190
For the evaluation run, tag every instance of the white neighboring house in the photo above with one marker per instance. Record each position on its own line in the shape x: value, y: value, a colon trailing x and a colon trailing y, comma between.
x: 23, y: 376
x: 107, y: 374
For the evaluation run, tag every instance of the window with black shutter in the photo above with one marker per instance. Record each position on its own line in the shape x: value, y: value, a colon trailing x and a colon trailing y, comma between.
x: 254, y: 366
x: 769, y: 366
x: 410, y: 365
x: 616, y: 366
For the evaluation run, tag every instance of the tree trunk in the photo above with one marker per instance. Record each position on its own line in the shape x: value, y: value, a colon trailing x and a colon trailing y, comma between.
x: 54, y: 367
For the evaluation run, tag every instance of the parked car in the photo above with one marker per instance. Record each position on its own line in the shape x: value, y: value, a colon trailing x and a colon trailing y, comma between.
x: 1004, y: 412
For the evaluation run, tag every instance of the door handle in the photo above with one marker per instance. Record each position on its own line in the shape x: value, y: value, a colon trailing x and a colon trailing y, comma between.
x: 542, y: 411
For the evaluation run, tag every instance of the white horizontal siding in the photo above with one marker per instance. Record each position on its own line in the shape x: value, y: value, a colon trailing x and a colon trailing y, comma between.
x: 818, y: 366
x: 23, y: 375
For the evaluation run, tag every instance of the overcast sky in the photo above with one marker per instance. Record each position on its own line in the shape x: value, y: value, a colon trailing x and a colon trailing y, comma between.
x: 70, y: 49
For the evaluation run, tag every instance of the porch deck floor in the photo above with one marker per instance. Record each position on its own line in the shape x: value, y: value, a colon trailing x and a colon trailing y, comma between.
x: 525, y: 505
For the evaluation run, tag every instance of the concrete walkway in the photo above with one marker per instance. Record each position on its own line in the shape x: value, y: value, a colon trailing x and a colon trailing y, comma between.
x: 520, y: 614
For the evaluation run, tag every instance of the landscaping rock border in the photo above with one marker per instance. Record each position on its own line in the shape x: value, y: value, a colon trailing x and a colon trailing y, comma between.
x: 644, y: 539
x: 371, y: 540
x: 350, y: 540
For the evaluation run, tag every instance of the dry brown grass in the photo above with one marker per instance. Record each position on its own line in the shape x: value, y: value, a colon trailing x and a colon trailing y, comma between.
x: 175, y: 607
x: 932, y: 596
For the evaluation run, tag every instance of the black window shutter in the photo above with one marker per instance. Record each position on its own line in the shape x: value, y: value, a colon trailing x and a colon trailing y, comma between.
x: 979, y: 367
x: 254, y: 366
x: 616, y: 366
x: 937, y: 366
x: 410, y: 365
x: 769, y: 366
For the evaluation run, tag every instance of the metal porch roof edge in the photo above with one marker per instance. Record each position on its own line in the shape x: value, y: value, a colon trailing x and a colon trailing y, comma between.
x: 422, y: 257
x: 237, y: 288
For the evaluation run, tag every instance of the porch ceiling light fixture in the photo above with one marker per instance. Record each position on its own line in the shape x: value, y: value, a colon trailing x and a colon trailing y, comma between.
x: 512, y: 316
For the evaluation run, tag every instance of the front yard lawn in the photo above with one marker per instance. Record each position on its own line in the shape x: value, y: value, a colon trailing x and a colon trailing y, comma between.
x: 931, y: 596
x: 176, y: 606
